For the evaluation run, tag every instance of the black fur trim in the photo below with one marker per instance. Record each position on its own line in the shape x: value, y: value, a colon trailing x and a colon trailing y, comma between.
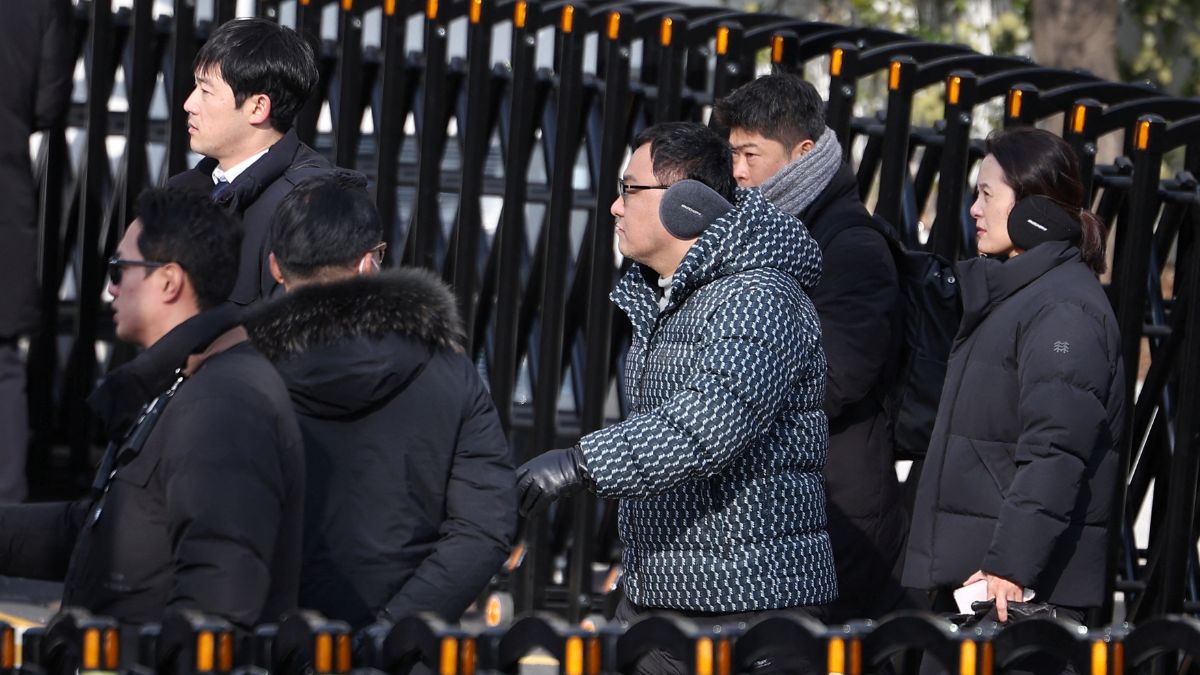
x: 408, y: 301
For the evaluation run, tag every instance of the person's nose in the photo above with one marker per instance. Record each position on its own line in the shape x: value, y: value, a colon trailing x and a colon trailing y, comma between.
x: 977, y: 208
x: 189, y: 104
x: 741, y: 171
x: 618, y: 207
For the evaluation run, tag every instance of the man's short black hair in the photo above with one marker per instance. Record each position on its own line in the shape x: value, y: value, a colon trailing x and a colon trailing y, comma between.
x: 257, y: 56
x: 325, y: 221
x: 781, y: 107
x: 681, y: 150
x: 186, y: 227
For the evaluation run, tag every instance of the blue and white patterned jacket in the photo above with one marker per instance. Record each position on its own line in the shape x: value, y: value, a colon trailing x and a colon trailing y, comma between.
x: 718, y: 465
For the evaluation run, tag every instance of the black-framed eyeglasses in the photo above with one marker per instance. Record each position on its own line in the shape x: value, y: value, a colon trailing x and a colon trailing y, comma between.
x: 117, y: 265
x: 378, y: 252
x: 624, y: 188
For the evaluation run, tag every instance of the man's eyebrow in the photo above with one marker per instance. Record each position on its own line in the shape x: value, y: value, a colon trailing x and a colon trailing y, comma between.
x: 743, y: 146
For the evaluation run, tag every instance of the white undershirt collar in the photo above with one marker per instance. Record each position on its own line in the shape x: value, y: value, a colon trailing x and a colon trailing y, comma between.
x: 236, y: 170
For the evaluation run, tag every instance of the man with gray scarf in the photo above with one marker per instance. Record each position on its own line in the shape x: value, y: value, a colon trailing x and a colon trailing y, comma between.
x: 782, y: 146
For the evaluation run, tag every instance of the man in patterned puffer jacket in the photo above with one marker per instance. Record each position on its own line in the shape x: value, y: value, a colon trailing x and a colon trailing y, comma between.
x: 718, y: 466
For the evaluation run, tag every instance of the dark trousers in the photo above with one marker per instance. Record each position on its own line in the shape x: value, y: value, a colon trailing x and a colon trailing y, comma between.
x: 660, y: 662
x: 14, y: 423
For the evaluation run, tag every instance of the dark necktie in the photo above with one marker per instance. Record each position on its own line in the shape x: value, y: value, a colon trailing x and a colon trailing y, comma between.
x: 219, y: 188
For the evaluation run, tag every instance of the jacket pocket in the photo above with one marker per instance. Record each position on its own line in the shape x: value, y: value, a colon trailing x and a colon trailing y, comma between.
x: 972, y: 480
x: 997, y: 458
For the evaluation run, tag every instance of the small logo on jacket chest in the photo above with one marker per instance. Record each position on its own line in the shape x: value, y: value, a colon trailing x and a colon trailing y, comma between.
x: 1062, y: 347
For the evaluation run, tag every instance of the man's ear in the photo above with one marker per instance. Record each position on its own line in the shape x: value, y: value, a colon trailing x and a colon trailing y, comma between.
x: 172, y: 282
x: 276, y: 272
x: 259, y: 109
x: 802, y: 148
x: 367, y: 265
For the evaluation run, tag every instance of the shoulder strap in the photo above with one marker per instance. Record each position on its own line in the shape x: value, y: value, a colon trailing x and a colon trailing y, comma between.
x: 230, y: 338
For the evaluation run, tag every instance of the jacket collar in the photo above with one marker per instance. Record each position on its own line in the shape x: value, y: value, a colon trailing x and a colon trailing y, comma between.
x: 410, y: 302
x: 754, y: 234
x: 246, y: 188
x: 126, y: 388
x: 843, y: 185
x: 987, y: 282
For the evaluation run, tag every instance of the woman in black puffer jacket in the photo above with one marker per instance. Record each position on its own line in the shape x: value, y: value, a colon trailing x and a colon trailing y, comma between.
x: 1023, y: 463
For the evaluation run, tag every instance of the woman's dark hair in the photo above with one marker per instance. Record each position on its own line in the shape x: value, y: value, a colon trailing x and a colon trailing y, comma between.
x: 1036, y: 162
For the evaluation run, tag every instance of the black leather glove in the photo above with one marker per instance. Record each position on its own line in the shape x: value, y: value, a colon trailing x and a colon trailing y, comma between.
x: 548, y: 476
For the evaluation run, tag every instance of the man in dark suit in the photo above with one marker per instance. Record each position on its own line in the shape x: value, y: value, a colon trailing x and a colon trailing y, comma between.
x: 35, y: 76
x: 252, y: 77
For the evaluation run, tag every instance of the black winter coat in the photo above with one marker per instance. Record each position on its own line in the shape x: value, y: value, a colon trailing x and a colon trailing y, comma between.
x: 856, y: 301
x: 411, y: 504
x: 253, y: 198
x: 1023, y: 463
x: 35, y: 59
x: 206, y: 514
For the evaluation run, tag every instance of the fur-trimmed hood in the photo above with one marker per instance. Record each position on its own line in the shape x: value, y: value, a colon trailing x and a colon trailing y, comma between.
x: 346, y: 347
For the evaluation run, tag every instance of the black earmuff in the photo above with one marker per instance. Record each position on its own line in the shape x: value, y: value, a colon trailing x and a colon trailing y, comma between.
x: 1037, y: 219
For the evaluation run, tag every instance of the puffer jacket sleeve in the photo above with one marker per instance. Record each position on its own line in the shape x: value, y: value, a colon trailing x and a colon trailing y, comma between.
x: 481, y: 516
x: 1064, y: 373
x: 225, y: 493
x: 756, y: 347
x: 36, y: 540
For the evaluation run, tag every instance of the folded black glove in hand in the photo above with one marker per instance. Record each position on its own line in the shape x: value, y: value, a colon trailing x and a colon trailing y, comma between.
x: 548, y: 476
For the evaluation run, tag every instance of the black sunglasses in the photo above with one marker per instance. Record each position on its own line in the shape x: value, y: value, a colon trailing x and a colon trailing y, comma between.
x: 624, y: 188
x: 117, y: 265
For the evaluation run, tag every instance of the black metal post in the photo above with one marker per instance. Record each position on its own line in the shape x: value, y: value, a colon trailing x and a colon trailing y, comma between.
x: 893, y: 166
x: 94, y: 188
x: 349, y: 111
x: 477, y: 136
x: 946, y: 235
x: 180, y: 79
x: 425, y: 228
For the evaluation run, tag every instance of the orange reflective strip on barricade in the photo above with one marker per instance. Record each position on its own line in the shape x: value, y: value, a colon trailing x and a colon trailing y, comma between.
x: 835, y: 61
x: 205, y: 651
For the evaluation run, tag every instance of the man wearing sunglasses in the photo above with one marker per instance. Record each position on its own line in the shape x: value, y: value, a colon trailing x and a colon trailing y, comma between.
x: 410, y: 504
x: 252, y: 78
x: 198, y: 500
x: 718, y: 465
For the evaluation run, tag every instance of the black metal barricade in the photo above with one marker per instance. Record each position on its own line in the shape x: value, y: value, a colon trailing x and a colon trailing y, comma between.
x: 188, y: 643
x: 547, y: 142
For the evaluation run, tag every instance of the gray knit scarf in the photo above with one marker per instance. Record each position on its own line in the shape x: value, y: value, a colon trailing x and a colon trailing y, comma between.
x: 798, y: 184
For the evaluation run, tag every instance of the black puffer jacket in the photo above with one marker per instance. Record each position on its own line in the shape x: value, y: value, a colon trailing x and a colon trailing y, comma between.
x: 253, y: 198
x: 411, y: 504
x: 206, y: 514
x: 1023, y: 462
x: 856, y: 301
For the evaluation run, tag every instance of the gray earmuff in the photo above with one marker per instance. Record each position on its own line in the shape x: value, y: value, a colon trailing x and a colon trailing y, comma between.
x: 689, y: 206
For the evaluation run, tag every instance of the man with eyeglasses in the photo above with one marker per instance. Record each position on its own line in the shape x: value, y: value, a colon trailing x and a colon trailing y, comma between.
x: 198, y: 500
x: 410, y: 504
x: 718, y: 465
